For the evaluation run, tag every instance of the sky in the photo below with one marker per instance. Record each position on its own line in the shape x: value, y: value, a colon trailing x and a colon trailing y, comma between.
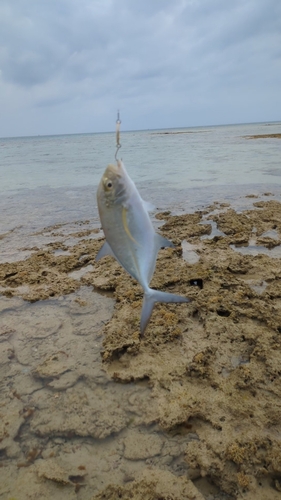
x: 67, y: 66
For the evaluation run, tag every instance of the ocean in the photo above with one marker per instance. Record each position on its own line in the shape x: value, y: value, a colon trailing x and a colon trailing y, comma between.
x: 47, y: 180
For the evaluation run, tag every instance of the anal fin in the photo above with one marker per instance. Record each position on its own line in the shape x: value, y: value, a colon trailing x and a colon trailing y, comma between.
x: 162, y: 242
x: 104, y: 250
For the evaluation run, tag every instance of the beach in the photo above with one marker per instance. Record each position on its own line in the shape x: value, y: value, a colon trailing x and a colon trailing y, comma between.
x: 89, y: 410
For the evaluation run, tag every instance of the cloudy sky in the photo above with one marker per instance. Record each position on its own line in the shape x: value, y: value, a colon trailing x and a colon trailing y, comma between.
x: 66, y: 66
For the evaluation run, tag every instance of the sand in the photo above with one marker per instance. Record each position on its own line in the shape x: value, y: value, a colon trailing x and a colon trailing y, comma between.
x: 89, y: 410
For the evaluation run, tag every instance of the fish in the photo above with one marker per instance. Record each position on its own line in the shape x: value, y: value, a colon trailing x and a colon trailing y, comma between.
x: 130, y: 236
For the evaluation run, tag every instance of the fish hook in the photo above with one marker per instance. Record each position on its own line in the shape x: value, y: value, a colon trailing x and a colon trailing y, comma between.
x: 118, y: 123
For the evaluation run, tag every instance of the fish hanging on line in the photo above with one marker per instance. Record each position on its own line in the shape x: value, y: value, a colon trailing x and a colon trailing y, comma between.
x: 130, y: 236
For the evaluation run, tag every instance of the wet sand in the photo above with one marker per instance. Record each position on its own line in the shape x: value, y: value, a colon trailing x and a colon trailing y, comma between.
x: 89, y: 410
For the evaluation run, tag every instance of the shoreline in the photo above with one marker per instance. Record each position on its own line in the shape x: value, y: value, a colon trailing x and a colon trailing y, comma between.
x: 193, y: 405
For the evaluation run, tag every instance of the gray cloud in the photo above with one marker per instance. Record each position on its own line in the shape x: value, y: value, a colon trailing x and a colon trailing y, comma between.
x: 188, y: 61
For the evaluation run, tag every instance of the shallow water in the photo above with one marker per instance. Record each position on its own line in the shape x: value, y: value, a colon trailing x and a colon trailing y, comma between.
x: 63, y: 408
x: 254, y: 249
x: 196, y: 157
x: 52, y: 180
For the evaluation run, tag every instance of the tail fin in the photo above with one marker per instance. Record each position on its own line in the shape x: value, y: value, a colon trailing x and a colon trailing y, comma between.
x: 152, y: 296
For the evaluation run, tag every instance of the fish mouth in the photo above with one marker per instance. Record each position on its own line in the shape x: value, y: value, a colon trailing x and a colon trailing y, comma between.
x: 116, y: 170
x: 112, y: 181
x: 111, y: 168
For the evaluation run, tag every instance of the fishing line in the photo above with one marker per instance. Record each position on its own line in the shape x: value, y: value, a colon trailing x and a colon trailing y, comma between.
x: 118, y: 123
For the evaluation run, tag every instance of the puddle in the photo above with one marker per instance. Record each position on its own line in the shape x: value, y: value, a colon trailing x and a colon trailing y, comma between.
x: 93, y: 236
x: 10, y: 256
x: 73, y: 240
x: 235, y: 362
x: 81, y: 272
x: 66, y: 420
x: 254, y: 249
x: 188, y: 252
x: 19, y: 244
x: 59, y: 251
x: 239, y: 360
x: 215, y: 230
x: 271, y: 234
x: 22, y: 290
x: 258, y: 286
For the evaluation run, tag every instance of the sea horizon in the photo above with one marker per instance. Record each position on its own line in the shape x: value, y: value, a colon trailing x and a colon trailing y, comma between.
x: 266, y: 122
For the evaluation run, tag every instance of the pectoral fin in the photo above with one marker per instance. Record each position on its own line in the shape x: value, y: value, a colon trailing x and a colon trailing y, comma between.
x: 103, y: 251
x: 149, y: 207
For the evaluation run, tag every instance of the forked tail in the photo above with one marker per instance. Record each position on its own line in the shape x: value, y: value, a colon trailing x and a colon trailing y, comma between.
x: 150, y: 297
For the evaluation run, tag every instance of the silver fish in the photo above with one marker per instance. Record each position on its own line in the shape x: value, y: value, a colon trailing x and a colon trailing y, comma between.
x: 129, y: 233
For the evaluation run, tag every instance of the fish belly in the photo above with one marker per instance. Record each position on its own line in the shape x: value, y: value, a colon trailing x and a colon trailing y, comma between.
x: 131, y: 239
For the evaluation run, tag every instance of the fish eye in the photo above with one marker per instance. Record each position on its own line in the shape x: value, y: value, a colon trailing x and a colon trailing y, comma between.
x: 108, y: 184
